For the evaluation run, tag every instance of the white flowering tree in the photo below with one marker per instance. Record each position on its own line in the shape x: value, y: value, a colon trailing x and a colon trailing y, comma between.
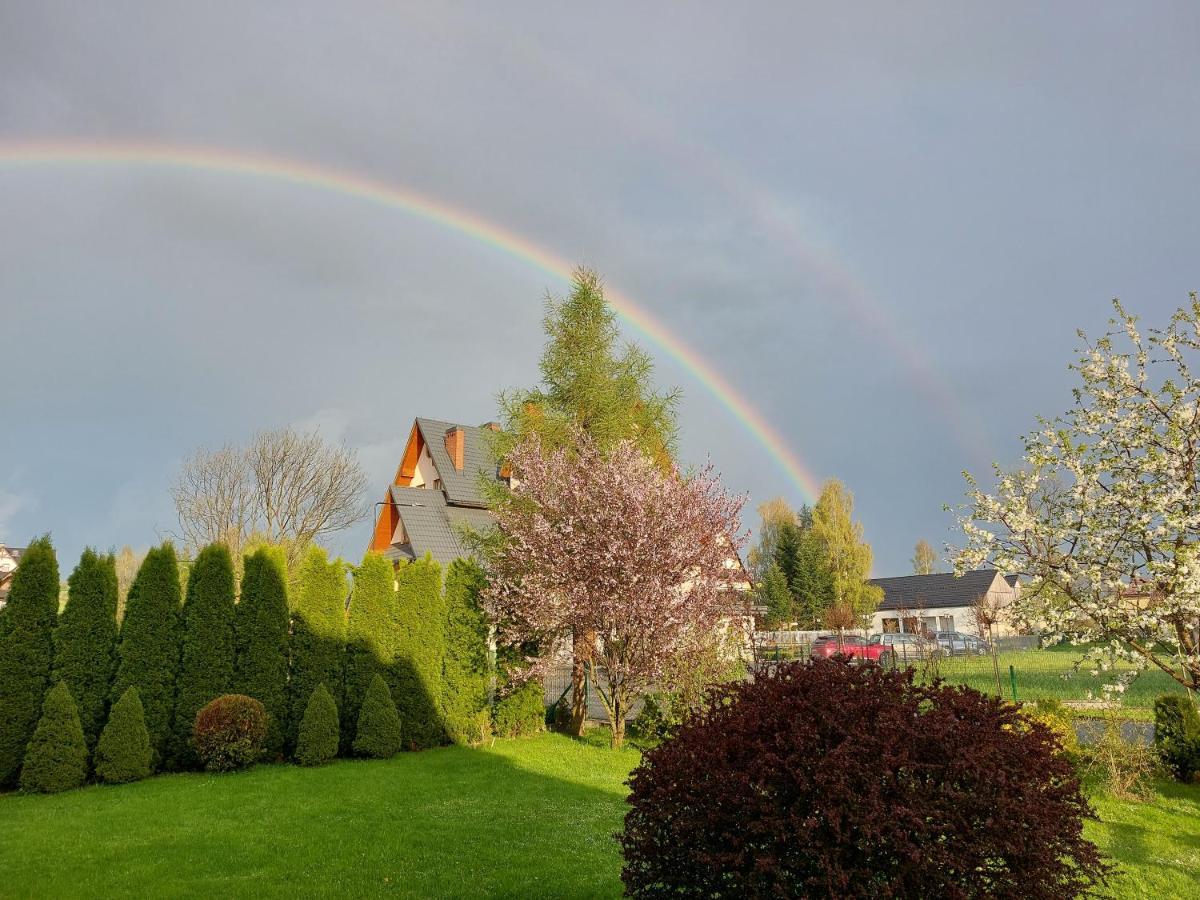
x: 1103, y: 518
x: 607, y: 543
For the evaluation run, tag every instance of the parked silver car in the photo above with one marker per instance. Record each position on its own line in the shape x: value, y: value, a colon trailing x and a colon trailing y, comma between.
x: 957, y: 643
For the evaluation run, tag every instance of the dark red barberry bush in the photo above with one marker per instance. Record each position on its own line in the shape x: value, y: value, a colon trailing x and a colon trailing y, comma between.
x: 834, y: 779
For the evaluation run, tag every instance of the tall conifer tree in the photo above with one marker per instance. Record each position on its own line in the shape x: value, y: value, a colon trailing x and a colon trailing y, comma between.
x: 206, y: 666
x: 416, y: 681
x: 85, y: 642
x: 262, y: 641
x: 467, y: 670
x: 26, y: 652
x: 148, y: 654
x: 318, y: 634
x: 371, y: 636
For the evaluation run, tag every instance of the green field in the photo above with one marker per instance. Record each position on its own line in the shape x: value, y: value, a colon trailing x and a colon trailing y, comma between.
x: 531, y: 818
x: 1050, y: 673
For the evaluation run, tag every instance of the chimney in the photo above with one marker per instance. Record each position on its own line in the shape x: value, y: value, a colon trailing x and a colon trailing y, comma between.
x: 456, y: 445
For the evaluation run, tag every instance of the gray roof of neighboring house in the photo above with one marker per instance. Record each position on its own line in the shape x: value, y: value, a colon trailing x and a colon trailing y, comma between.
x: 914, y: 592
x: 433, y: 526
x: 462, y: 488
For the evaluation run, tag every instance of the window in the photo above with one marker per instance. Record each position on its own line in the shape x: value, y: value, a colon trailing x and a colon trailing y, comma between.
x: 945, y: 623
x: 891, y: 626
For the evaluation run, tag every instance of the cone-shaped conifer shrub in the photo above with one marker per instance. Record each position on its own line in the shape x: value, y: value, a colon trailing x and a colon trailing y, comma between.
x: 26, y: 652
x: 85, y: 642
x: 318, y: 643
x: 57, y: 756
x: 317, y: 742
x: 123, y: 753
x: 149, y: 649
x: 262, y: 641
x: 207, y: 659
x: 378, y: 723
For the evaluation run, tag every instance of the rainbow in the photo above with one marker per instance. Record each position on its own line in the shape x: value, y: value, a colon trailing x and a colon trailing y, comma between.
x: 372, y: 190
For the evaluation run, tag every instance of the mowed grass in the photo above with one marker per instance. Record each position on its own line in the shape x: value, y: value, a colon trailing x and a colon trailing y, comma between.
x: 1155, y: 845
x: 1049, y: 674
x: 531, y: 818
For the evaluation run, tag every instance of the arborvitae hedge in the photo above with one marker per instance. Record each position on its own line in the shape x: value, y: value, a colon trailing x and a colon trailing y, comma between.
x: 379, y: 731
x: 371, y: 636
x: 123, y: 753
x: 85, y: 642
x: 318, y: 633
x: 206, y: 663
x: 319, y: 735
x: 467, y: 672
x: 262, y: 642
x: 57, y: 756
x: 26, y: 652
x: 420, y: 653
x: 148, y: 658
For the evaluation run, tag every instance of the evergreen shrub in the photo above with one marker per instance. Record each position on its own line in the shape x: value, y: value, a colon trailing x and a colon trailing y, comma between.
x: 379, y: 729
x: 318, y: 737
x: 230, y: 732
x: 1177, y: 735
x: 57, y: 756
x: 123, y: 753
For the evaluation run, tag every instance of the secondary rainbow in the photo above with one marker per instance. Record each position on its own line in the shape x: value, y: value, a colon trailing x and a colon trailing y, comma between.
x: 373, y: 190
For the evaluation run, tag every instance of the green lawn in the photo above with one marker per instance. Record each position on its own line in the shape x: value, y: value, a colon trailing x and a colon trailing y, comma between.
x: 1049, y: 674
x: 531, y: 818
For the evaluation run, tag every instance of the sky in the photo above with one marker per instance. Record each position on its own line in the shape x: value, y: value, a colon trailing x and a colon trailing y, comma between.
x: 879, y: 227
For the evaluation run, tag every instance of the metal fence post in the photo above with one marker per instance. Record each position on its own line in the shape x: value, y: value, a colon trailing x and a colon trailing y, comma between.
x: 1012, y: 678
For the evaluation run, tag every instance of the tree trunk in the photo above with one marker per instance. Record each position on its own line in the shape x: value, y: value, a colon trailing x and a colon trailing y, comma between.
x: 580, y: 655
x: 618, y: 726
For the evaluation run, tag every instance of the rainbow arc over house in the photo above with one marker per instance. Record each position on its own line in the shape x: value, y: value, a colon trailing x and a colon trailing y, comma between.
x: 18, y: 154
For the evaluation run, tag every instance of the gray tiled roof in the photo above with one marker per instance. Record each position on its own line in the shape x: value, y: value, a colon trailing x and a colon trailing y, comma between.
x: 938, y: 591
x: 462, y: 488
x: 433, y: 526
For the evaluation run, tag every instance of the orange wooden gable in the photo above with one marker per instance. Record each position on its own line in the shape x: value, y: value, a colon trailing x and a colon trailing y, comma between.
x: 389, y: 516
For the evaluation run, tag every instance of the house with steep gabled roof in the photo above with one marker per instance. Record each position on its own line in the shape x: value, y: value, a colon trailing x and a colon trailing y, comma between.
x: 9, y: 558
x: 436, y: 492
x: 947, y: 602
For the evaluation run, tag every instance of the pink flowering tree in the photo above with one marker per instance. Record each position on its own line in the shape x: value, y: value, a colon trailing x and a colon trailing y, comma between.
x: 610, y: 544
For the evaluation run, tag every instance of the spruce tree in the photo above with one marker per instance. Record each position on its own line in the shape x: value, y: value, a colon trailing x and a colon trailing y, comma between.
x: 416, y: 682
x: 262, y: 641
x: 85, y: 641
x: 206, y: 663
x: 123, y: 753
x: 467, y: 670
x: 318, y: 735
x: 26, y: 652
x: 776, y: 596
x: 379, y: 731
x: 57, y: 756
x: 371, y: 635
x: 148, y: 657
x: 318, y: 633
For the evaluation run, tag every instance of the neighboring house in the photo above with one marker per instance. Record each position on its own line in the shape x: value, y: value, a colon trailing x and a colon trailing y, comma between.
x: 9, y: 557
x: 946, y: 602
x: 436, y: 492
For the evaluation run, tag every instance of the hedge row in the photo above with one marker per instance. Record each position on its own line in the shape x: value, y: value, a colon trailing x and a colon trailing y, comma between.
x: 301, y: 652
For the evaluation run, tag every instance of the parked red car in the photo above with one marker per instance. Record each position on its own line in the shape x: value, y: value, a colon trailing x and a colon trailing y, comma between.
x: 853, y: 647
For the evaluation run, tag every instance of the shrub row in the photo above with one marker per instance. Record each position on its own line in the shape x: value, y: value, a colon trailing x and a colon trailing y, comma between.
x: 300, y: 654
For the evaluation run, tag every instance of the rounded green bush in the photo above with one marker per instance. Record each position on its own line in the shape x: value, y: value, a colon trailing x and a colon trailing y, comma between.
x: 57, y: 756
x: 317, y: 741
x: 123, y: 753
x: 378, y: 723
x: 523, y: 712
x: 230, y: 732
